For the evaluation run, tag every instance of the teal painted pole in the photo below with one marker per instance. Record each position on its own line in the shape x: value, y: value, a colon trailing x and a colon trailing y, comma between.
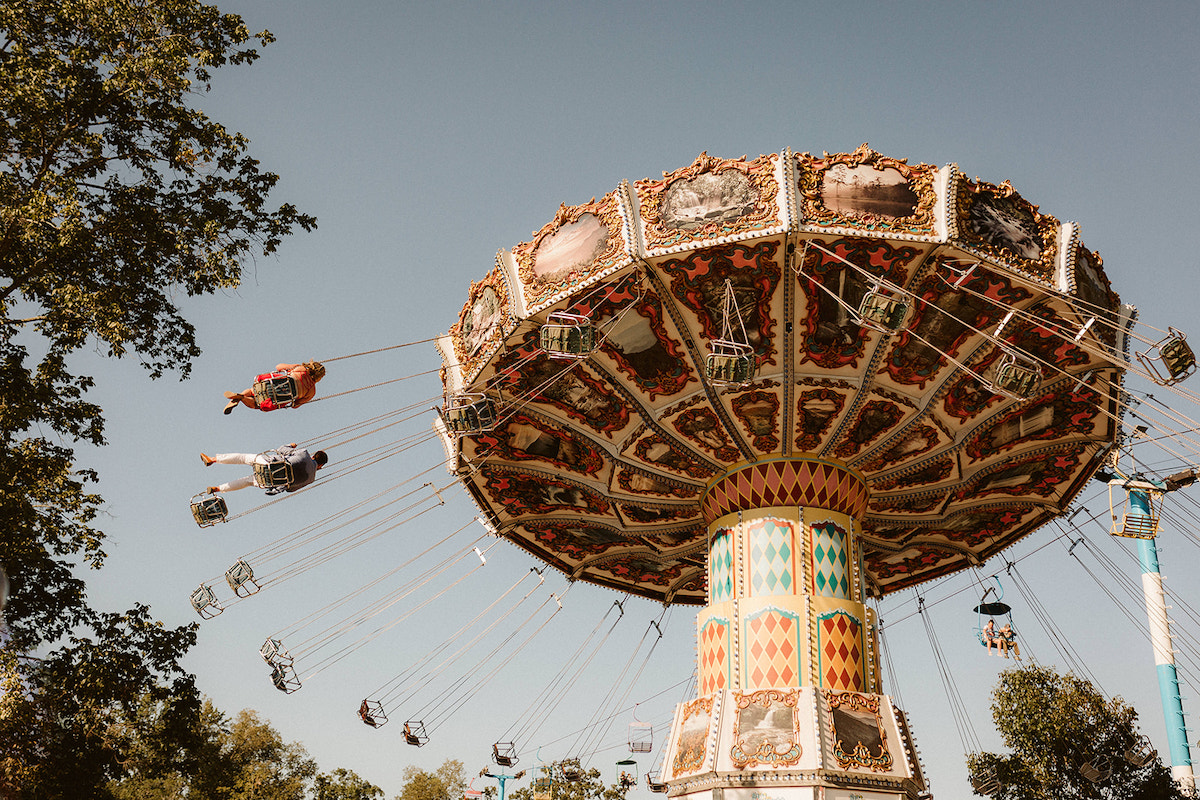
x: 1164, y: 656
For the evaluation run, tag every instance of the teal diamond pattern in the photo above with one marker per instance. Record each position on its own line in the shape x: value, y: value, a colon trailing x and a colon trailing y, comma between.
x: 771, y: 558
x: 831, y: 574
x: 720, y: 566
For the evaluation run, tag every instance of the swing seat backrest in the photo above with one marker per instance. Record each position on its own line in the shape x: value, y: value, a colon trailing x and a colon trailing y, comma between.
x: 208, y: 510
x: 279, y: 388
x: 273, y: 471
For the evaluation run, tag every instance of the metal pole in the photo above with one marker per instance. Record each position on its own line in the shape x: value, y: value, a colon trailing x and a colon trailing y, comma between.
x: 1164, y: 655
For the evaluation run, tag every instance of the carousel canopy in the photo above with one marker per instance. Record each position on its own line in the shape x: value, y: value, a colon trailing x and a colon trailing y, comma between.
x: 938, y: 334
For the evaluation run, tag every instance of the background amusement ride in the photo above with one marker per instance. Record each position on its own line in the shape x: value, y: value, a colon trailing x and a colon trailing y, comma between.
x: 777, y: 389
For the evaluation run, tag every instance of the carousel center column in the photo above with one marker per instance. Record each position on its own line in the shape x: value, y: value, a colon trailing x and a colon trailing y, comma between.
x: 789, y: 693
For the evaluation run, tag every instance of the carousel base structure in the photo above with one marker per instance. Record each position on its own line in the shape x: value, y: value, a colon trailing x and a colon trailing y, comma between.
x: 792, y: 744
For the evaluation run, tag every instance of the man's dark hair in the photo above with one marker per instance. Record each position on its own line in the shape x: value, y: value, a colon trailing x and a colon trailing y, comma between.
x: 321, y: 458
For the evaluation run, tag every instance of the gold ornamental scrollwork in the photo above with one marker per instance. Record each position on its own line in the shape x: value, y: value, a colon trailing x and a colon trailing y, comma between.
x: 1018, y: 216
x: 481, y: 323
x: 918, y: 179
x: 539, y: 288
x: 767, y: 742
x: 692, y: 744
x: 861, y: 754
x: 761, y: 214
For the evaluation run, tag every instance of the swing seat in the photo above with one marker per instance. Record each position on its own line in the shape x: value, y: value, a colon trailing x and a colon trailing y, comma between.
x: 653, y: 782
x: 272, y: 652
x: 505, y: 753
x: 240, y: 578
x: 414, y: 733
x: 1174, y: 354
x: 569, y: 337
x: 543, y: 784
x: 284, y: 677
x: 1016, y: 377
x: 274, y: 390
x: 273, y: 472
x: 571, y: 769
x: 1098, y: 770
x: 729, y: 363
x: 882, y: 312
x: 1141, y: 754
x: 371, y: 712
x: 209, y: 509
x: 987, y: 784
x: 205, y: 602
x: 468, y: 413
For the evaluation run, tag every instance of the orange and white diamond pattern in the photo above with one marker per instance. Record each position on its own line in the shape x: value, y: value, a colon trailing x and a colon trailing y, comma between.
x: 787, y: 482
x: 771, y: 648
x: 840, y: 652
x: 714, y: 655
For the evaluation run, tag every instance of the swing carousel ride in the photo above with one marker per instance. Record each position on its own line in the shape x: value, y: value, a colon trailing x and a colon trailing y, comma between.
x: 775, y: 388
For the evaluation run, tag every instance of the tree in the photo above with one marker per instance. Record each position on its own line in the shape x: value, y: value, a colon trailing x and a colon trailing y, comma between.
x: 1054, y: 725
x: 589, y: 786
x: 344, y: 784
x: 445, y: 783
x: 117, y: 195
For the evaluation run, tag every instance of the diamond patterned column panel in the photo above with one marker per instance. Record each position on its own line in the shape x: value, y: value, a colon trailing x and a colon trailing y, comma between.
x: 715, y: 637
x: 772, y: 642
x: 772, y: 547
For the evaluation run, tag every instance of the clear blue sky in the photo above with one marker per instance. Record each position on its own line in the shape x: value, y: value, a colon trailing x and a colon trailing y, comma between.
x: 427, y: 136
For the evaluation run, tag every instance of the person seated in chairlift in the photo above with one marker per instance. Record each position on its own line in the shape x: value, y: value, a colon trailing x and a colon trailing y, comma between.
x: 306, y: 376
x: 627, y: 780
x: 303, y: 466
x: 991, y: 637
x: 1008, y: 641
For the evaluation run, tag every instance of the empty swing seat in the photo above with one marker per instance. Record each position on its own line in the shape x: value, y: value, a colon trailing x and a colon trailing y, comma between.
x: 275, y: 389
x: 414, y: 733
x: 468, y: 413
x: 240, y: 578
x: 1139, y: 526
x: 273, y: 471
x: 205, y: 602
x: 371, y: 712
x: 653, y: 782
x: 504, y: 753
x: 1098, y: 770
x: 273, y: 652
x: 1141, y: 754
x: 1016, y: 377
x: 641, y: 737
x: 567, y: 336
x: 209, y: 509
x: 1175, y: 355
x: 729, y: 363
x: 883, y: 312
x: 571, y: 769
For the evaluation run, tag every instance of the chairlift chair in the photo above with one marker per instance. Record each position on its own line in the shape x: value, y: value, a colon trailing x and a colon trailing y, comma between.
x: 272, y: 471
x: 543, y: 784
x: 414, y: 733
x: 283, y: 675
x: 627, y: 773
x: 881, y: 311
x: 654, y: 783
x: 568, y: 337
x: 1016, y: 376
x: 1140, y: 753
x: 209, y: 509
x: 992, y: 609
x: 471, y: 793
x: 641, y: 736
x: 371, y: 712
x: 1133, y: 523
x: 240, y: 578
x: 205, y: 602
x: 505, y: 753
x: 276, y: 389
x: 1175, y: 356
x: 468, y: 413
x: 1097, y: 770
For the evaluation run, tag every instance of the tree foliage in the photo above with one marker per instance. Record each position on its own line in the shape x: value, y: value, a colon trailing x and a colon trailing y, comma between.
x: 589, y: 786
x: 117, y: 196
x: 447, y: 782
x: 1055, y: 724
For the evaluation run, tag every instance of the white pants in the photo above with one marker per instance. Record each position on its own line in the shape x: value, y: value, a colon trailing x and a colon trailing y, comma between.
x: 238, y: 458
